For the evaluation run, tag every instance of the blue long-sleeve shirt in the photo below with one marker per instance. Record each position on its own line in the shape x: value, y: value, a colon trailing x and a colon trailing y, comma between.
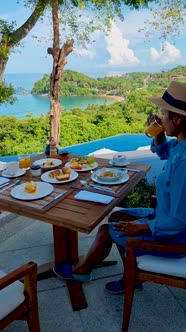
x: 170, y: 220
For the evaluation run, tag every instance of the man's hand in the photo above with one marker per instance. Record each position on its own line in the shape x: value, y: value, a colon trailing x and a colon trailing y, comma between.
x: 132, y: 228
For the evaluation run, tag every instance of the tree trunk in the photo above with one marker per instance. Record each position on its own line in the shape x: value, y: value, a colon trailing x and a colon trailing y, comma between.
x: 3, y: 63
x: 59, y: 61
x: 16, y: 36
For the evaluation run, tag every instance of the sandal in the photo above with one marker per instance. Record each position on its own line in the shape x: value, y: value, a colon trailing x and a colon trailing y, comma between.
x: 117, y: 287
x: 65, y: 271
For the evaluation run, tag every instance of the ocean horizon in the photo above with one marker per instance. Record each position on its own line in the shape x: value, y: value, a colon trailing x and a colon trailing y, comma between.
x: 40, y: 105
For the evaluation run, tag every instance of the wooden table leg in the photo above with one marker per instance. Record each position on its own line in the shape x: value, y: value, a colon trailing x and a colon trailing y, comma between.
x: 66, y: 251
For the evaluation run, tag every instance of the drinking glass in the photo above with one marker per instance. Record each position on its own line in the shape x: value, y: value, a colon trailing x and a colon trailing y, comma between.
x: 24, y: 162
x: 155, y: 127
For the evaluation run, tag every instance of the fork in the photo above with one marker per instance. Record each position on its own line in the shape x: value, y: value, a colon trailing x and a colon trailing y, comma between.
x: 11, y: 185
x: 88, y: 185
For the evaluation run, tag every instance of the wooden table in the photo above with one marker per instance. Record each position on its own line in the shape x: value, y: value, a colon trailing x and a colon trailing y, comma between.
x: 70, y: 216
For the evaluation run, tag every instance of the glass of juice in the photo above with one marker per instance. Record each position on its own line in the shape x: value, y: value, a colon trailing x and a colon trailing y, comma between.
x: 155, y: 127
x: 24, y: 161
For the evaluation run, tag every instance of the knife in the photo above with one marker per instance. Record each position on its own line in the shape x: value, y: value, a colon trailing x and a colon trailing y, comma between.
x: 4, y: 184
x: 87, y: 184
x: 133, y: 170
x: 54, y: 199
x: 129, y: 169
x: 10, y: 185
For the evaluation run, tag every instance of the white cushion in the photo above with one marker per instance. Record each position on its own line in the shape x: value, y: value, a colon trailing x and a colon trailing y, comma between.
x: 163, y: 265
x: 10, y: 297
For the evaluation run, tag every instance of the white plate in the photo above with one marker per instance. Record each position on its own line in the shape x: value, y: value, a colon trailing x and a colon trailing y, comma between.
x: 111, y: 162
x: 105, y: 179
x: 123, y: 179
x: 40, y: 162
x: 45, y: 177
x: 19, y: 172
x: 84, y: 169
x: 43, y: 189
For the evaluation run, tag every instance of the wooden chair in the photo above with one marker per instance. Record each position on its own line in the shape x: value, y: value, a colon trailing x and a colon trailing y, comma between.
x: 161, y: 270
x: 19, y: 300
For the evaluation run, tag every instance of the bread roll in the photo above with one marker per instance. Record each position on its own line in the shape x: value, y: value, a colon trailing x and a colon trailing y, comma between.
x: 63, y: 177
x: 54, y: 173
x: 66, y: 170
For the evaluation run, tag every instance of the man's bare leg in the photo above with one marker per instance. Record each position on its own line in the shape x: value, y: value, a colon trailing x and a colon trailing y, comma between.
x: 98, y: 251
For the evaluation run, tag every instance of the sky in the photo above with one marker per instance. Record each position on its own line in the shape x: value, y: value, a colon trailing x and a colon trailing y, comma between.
x: 123, y: 50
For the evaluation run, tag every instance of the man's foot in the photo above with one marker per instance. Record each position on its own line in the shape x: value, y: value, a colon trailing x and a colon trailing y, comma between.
x: 117, y: 287
x: 65, y: 271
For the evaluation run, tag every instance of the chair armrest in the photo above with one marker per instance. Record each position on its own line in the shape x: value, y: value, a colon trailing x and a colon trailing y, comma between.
x: 26, y: 271
x: 156, y: 246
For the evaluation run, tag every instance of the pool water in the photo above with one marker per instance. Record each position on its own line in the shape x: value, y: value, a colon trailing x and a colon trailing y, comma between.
x: 128, y: 142
x: 118, y: 143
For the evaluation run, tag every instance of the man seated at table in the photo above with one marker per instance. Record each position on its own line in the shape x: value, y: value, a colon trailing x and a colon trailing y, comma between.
x: 167, y: 222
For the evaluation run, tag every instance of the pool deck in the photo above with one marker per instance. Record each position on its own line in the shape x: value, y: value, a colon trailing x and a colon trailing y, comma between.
x: 156, y: 308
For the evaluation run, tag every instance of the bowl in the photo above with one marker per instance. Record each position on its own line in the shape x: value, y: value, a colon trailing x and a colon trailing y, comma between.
x: 64, y: 154
x: 119, y: 159
x: 108, y: 174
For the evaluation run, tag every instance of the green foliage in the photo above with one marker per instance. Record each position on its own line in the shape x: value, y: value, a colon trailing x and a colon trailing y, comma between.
x: 75, y: 83
x: 6, y: 42
x: 96, y: 122
x: 6, y: 94
x: 140, y: 195
x: 167, y: 19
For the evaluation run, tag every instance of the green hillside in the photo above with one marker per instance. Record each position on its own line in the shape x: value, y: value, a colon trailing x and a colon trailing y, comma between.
x: 78, y: 84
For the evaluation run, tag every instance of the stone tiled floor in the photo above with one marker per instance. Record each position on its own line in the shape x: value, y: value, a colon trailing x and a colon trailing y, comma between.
x: 156, y: 308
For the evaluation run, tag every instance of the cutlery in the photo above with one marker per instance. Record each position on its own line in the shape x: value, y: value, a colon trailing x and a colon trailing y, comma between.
x: 129, y: 170
x: 133, y: 170
x: 86, y: 184
x: 11, y: 185
x: 54, y: 199
x: 4, y: 184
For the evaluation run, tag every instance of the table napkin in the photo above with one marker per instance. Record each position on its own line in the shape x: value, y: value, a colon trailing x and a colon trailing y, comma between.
x: 3, y: 181
x: 93, y: 197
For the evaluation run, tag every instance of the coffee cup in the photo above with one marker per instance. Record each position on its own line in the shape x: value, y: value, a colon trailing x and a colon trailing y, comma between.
x: 12, y: 168
x: 119, y: 159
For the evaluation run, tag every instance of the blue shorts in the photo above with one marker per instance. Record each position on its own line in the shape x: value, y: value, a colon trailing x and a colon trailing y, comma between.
x: 142, y: 215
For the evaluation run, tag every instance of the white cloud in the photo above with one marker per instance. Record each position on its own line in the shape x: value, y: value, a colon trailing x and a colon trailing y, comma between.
x: 167, y: 54
x: 85, y: 53
x: 118, y: 48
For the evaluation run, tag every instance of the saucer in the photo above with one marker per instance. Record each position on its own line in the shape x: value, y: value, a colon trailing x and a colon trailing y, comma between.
x: 19, y: 172
x: 125, y: 163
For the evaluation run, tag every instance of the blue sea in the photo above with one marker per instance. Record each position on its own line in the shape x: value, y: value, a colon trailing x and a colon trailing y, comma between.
x: 38, y: 105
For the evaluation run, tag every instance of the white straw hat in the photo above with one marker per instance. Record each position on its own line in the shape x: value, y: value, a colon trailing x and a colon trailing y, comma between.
x: 173, y: 99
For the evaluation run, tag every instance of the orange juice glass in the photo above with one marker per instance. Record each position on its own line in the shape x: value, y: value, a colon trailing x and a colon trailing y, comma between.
x: 155, y: 127
x: 24, y: 162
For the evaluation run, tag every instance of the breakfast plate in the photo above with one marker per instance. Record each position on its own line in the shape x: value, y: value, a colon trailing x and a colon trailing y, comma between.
x: 45, y: 177
x: 108, y: 175
x: 124, y: 178
x: 19, y: 172
x: 48, y: 163
x: 113, y: 163
x: 82, y: 168
x: 43, y: 189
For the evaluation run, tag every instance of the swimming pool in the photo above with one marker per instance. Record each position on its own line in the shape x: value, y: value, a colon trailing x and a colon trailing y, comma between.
x: 118, y: 143
x: 128, y: 142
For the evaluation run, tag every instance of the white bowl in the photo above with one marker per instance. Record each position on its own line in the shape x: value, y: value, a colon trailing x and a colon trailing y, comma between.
x: 119, y: 159
x: 108, y: 174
